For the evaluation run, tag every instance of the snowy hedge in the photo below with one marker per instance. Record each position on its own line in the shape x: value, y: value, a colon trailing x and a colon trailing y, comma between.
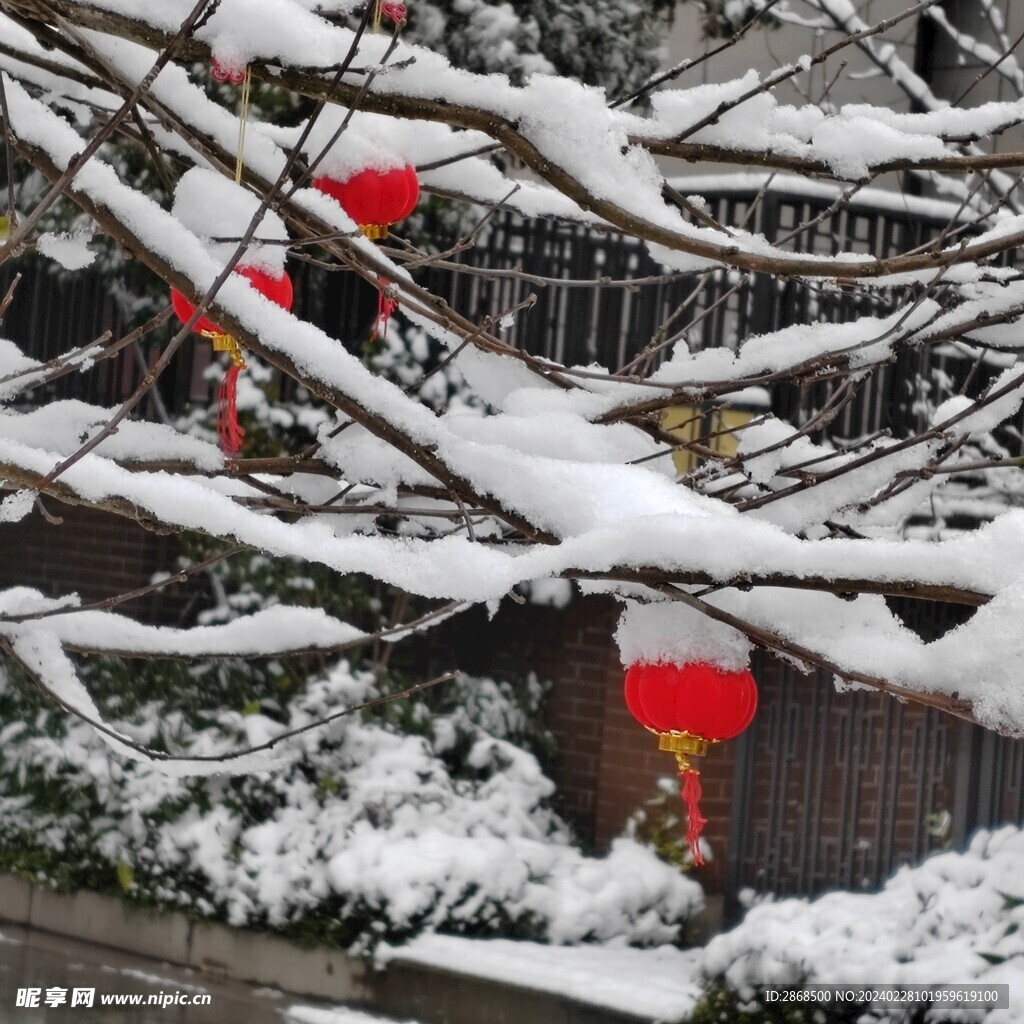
x: 953, y: 919
x: 386, y: 825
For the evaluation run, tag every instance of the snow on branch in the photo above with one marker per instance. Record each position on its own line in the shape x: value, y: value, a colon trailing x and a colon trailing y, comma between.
x: 630, y: 479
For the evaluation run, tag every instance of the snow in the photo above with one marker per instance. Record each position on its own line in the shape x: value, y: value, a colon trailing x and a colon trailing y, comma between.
x: 622, y: 173
x: 336, y: 1015
x: 864, y: 340
x: 374, y: 820
x: 751, y: 182
x: 953, y: 919
x: 651, y: 984
x: 931, y: 924
x: 273, y: 630
x: 60, y: 427
x: 552, y: 457
x: 71, y: 251
x: 412, y: 846
x: 669, y: 632
x: 14, y: 507
x: 13, y: 361
x: 369, y: 141
x: 552, y: 593
x: 211, y: 206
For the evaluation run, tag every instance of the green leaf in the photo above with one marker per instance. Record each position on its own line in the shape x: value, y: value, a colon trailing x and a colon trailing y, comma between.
x: 1011, y: 902
x: 992, y: 958
x: 254, y: 707
x: 125, y: 875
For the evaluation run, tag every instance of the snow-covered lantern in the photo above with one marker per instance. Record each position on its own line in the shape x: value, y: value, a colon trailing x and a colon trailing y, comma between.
x: 716, y: 425
x: 277, y: 289
x: 688, y: 707
x: 375, y: 199
x: 211, y: 207
x: 687, y: 682
x: 393, y: 10
x: 227, y: 70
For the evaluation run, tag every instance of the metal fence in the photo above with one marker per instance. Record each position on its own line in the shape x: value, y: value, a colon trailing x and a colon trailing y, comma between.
x: 608, y: 324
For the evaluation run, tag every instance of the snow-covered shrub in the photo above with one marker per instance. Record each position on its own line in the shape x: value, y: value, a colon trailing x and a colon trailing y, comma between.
x: 615, y: 44
x: 380, y: 826
x: 954, y: 919
x: 720, y: 20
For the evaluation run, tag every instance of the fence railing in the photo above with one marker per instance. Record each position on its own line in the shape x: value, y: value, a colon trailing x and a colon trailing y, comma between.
x: 572, y: 322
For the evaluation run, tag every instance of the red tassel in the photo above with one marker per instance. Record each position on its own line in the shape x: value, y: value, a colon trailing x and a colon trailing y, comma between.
x: 386, y: 307
x: 230, y: 433
x: 691, y: 793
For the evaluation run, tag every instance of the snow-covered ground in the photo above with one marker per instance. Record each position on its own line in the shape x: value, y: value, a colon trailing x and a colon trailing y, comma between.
x: 954, y: 919
x: 334, y: 1015
x: 657, y: 984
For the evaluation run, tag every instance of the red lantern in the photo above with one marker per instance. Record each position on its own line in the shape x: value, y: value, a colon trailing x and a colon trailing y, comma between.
x: 279, y: 291
x: 391, y: 9
x: 228, y: 71
x: 375, y: 199
x: 690, y: 706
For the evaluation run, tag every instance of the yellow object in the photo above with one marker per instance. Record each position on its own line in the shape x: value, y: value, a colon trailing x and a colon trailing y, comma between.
x: 243, y: 116
x: 221, y: 342
x: 684, y: 745
x: 5, y: 229
x: 225, y: 343
x: 694, y: 422
x: 374, y: 232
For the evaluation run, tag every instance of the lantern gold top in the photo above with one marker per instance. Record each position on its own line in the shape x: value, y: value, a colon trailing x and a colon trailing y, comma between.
x: 682, y: 743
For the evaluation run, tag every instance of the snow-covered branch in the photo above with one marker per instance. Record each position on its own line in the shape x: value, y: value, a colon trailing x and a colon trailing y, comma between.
x: 782, y: 528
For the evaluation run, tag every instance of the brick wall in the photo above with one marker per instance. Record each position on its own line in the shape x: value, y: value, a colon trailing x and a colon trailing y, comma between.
x: 570, y: 648
x: 607, y: 765
x: 94, y: 554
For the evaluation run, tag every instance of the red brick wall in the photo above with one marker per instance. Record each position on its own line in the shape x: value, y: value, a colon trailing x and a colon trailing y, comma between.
x: 580, y: 666
x: 91, y: 553
x: 607, y: 765
x: 570, y: 648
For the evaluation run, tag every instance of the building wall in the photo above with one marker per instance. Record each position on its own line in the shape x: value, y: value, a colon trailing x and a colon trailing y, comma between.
x: 93, y: 554
x: 917, y: 41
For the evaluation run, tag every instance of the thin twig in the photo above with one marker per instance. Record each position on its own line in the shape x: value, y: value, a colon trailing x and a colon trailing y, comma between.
x: 12, y: 211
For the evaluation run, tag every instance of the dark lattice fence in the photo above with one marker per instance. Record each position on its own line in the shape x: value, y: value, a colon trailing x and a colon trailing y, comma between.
x: 609, y: 325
